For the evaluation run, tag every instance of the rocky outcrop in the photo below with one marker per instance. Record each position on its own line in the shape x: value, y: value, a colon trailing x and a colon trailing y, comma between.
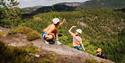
x: 63, y: 53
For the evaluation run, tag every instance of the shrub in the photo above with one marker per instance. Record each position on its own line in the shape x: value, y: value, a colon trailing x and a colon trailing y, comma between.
x: 30, y: 33
x: 22, y: 29
x: 10, y: 17
x: 33, y: 35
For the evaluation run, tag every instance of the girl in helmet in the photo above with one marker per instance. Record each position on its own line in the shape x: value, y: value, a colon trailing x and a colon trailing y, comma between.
x: 49, y: 34
x: 100, y: 53
x: 77, y: 40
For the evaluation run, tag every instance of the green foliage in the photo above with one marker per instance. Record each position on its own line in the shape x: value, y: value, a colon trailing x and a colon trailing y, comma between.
x: 10, y: 17
x: 90, y: 48
x: 35, y: 23
x: 100, y: 29
x: 10, y: 14
x: 8, y: 3
x: 22, y: 29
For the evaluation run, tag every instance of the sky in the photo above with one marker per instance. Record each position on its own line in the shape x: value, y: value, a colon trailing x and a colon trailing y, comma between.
x: 31, y: 3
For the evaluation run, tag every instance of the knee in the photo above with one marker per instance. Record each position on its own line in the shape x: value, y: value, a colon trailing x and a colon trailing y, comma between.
x: 48, y: 37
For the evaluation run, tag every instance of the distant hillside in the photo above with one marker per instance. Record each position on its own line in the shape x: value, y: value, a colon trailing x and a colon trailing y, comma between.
x: 122, y: 9
x: 70, y: 6
x: 30, y: 11
x: 105, y: 3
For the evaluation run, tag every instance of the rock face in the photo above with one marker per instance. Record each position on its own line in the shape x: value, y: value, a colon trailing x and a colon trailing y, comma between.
x: 73, y: 55
x: 63, y: 53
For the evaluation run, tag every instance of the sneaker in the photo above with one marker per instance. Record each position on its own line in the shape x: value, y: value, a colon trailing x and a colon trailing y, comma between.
x: 58, y: 43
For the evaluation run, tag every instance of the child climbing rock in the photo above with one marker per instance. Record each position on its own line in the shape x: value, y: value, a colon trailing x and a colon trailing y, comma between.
x: 100, y: 53
x: 50, y: 33
x: 77, y: 40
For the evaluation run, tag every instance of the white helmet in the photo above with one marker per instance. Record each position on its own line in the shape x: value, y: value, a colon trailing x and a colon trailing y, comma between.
x: 79, y: 31
x: 55, y: 20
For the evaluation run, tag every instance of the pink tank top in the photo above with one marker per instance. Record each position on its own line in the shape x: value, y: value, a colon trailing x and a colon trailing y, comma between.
x: 76, y: 40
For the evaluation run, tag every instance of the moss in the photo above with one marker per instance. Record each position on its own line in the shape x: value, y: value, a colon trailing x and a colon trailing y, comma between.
x: 33, y: 35
x: 2, y: 34
x: 32, y: 49
x: 30, y: 33
x: 22, y: 29
x: 90, y: 61
x: 11, y: 54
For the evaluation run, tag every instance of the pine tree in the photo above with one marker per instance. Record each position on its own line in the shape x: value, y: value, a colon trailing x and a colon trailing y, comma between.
x: 9, y: 13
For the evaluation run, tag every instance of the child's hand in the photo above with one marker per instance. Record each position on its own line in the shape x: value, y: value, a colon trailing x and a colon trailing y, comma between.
x: 64, y: 20
x: 73, y: 26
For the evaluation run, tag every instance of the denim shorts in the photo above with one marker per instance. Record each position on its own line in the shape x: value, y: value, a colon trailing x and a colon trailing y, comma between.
x: 77, y: 47
x: 43, y: 35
